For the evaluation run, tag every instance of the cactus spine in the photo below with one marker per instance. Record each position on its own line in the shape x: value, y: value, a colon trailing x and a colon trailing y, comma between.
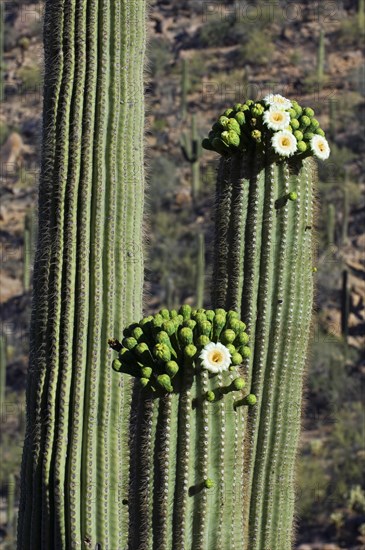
x: 191, y: 148
x: 75, y: 464
x: 186, y: 443
x: 200, y: 271
x: 263, y: 268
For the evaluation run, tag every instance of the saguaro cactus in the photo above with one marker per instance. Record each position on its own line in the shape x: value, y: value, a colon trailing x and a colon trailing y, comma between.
x: 191, y: 148
x: 263, y: 268
x: 200, y: 271
x: 320, y: 59
x: 186, y: 438
x: 75, y: 464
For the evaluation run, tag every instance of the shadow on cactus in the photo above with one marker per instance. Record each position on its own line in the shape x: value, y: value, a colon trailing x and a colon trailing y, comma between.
x: 186, y: 437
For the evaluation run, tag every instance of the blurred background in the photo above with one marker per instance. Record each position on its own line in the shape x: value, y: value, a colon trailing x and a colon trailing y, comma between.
x: 203, y: 58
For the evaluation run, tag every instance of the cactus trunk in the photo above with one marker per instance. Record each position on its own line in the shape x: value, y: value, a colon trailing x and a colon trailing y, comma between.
x: 75, y: 464
x: 263, y: 268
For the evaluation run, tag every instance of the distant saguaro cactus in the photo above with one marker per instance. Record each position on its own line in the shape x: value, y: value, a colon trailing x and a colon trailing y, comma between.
x: 200, y: 271
x: 88, y: 276
x: 184, y: 88
x: 263, y: 268
x: 191, y: 148
x: 320, y: 59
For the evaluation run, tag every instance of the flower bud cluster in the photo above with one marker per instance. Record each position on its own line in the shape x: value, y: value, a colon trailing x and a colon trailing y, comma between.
x: 276, y: 124
x: 162, y: 349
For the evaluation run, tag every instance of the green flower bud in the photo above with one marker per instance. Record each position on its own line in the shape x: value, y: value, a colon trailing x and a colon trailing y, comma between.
x: 199, y: 317
x: 234, y: 324
x: 233, y: 125
x: 240, y: 117
x: 227, y: 112
x: 298, y: 135
x: 314, y: 123
x: 295, y: 124
x: 137, y: 333
x: 308, y: 136
x: 185, y: 336
x: 218, y: 323
x: 165, y: 382
x: 190, y: 351
x: 165, y: 313
x: 210, y: 396
x: 297, y: 108
x: 249, y: 102
x: 237, y: 106
x: 143, y: 351
x: 292, y: 196
x: 257, y: 109
x: 129, y: 343
x: 231, y: 138
x: 209, y: 313
x: 245, y: 352
x: 292, y: 113
x: 208, y: 483
x: 157, y: 320
x: 173, y: 313
x: 116, y: 365
x: 314, y: 269
x: 171, y: 368
x: 305, y: 121
x: 256, y: 135
x: 231, y: 348
x: 320, y: 132
x: 205, y: 328
x: 185, y: 311
x: 309, y: 112
x: 301, y: 146
x: 251, y: 399
x: 162, y: 352
x: 163, y: 338
x: 202, y: 340
x: 169, y: 327
x: 223, y: 121
x: 238, y: 384
x: 144, y: 382
x: 236, y: 359
x: 146, y: 372
x: 245, y: 107
x: 220, y: 311
x: 242, y: 339
x: 190, y: 323
x: 228, y: 336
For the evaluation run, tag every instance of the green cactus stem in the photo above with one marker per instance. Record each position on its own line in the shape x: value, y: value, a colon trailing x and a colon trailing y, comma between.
x: 345, y: 304
x: 186, y: 436
x: 345, y: 211
x: 320, y: 59
x: 331, y: 225
x: 361, y: 15
x: 200, y: 271
x: 75, y: 462
x: 263, y: 269
x: 191, y: 148
x: 185, y: 85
